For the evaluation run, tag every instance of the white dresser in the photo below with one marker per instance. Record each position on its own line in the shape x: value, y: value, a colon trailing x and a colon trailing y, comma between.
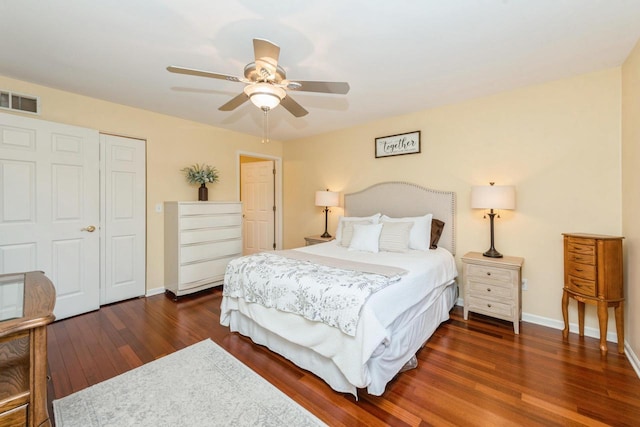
x: 200, y: 238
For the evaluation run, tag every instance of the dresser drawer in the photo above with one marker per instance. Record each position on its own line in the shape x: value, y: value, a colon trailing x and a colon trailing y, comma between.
x: 581, y: 258
x: 581, y: 286
x: 200, y: 252
x: 489, y: 290
x: 581, y: 246
x: 484, y: 274
x: 582, y: 271
x: 14, y: 418
x: 492, y: 308
x: 210, y: 208
x: 209, y: 221
x: 209, y: 235
x: 195, y: 274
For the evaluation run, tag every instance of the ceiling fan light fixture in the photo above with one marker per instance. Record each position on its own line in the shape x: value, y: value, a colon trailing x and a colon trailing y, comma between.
x: 264, y: 95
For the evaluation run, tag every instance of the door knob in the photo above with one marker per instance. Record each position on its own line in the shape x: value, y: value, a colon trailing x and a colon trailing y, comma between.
x: 90, y: 229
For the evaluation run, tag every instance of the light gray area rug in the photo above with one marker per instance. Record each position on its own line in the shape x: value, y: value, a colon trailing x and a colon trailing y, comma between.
x: 201, y: 385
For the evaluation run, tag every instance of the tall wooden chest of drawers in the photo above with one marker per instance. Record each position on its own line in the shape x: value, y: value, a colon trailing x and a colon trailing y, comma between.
x: 593, y: 274
x: 200, y: 238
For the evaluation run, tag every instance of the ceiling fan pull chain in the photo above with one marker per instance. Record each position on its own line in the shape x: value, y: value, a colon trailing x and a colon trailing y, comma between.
x: 265, y: 124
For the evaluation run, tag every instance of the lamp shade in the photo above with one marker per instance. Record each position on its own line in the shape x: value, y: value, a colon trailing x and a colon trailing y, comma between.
x: 327, y: 198
x: 493, y: 197
x: 265, y: 95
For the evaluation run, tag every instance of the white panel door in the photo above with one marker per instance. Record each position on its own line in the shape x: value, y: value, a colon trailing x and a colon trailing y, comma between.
x: 49, y: 207
x: 258, y: 204
x: 124, y: 218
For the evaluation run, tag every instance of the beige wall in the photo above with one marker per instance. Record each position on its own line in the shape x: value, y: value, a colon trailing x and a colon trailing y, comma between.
x: 558, y: 143
x: 172, y: 144
x: 630, y: 193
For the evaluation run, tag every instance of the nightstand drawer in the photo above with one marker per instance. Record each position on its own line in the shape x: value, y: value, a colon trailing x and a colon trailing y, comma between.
x: 489, y: 290
x: 498, y: 276
x: 581, y: 286
x: 492, y: 308
x: 582, y: 271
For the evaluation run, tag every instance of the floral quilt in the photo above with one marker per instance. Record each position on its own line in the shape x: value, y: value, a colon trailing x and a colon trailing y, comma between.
x: 318, y: 292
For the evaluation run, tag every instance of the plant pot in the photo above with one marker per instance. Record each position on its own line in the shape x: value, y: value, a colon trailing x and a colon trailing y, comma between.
x: 203, y: 193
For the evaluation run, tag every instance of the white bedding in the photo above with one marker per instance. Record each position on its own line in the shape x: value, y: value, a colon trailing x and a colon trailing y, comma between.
x: 321, y: 289
x: 387, y: 331
x: 427, y: 270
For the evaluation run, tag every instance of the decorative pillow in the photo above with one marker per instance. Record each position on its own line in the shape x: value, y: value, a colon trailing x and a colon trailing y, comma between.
x: 420, y: 236
x: 347, y: 231
x: 365, y: 237
x: 394, y: 236
x: 373, y: 219
x: 436, y: 231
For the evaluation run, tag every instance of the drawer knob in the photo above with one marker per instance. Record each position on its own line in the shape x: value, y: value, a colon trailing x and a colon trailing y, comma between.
x: 488, y: 289
x: 488, y: 273
x: 489, y: 305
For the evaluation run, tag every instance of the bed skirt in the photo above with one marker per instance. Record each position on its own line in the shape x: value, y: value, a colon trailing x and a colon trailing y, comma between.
x: 408, y: 336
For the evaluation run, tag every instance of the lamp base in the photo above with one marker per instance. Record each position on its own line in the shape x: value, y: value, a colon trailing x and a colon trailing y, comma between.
x: 492, y: 253
x: 325, y: 235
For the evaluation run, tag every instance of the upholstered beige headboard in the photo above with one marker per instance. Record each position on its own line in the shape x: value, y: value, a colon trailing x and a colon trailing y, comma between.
x: 400, y: 199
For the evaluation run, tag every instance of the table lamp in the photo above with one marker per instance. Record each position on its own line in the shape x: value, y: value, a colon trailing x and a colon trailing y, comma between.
x: 327, y: 199
x: 493, y: 197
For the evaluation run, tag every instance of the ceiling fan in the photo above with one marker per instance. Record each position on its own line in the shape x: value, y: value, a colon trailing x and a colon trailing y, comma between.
x: 266, y: 82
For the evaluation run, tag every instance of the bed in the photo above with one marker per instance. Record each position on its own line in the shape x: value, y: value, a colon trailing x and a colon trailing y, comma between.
x: 405, y: 294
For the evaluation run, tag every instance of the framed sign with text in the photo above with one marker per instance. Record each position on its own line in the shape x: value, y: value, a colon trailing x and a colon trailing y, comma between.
x: 396, y: 145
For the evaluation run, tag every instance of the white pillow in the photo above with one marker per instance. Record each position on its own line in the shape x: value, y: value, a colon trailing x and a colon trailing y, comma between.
x: 347, y: 231
x: 420, y: 235
x: 373, y: 219
x: 365, y: 237
x: 394, y: 236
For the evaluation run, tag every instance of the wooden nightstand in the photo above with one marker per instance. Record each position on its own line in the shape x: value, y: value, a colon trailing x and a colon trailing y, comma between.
x: 314, y: 240
x: 492, y: 287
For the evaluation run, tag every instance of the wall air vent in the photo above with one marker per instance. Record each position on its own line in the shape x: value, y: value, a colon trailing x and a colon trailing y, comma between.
x: 19, y: 102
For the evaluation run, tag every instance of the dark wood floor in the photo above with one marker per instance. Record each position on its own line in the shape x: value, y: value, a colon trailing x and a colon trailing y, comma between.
x: 470, y: 373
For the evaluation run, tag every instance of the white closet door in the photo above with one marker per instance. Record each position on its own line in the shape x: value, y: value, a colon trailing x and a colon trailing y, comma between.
x: 258, y: 204
x: 49, y: 207
x: 124, y: 218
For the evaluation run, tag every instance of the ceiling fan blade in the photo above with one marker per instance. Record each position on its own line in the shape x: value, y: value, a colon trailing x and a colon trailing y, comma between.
x: 341, y: 88
x: 234, y: 103
x: 201, y: 73
x: 293, y: 107
x: 266, y: 54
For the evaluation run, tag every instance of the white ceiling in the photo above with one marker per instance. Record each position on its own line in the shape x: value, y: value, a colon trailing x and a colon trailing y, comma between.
x: 398, y: 56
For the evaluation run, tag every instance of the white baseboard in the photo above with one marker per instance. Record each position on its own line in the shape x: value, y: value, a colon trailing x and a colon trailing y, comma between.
x: 154, y: 291
x: 573, y: 327
x: 632, y: 357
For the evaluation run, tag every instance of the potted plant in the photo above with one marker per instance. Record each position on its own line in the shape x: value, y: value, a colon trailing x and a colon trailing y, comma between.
x: 201, y: 174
